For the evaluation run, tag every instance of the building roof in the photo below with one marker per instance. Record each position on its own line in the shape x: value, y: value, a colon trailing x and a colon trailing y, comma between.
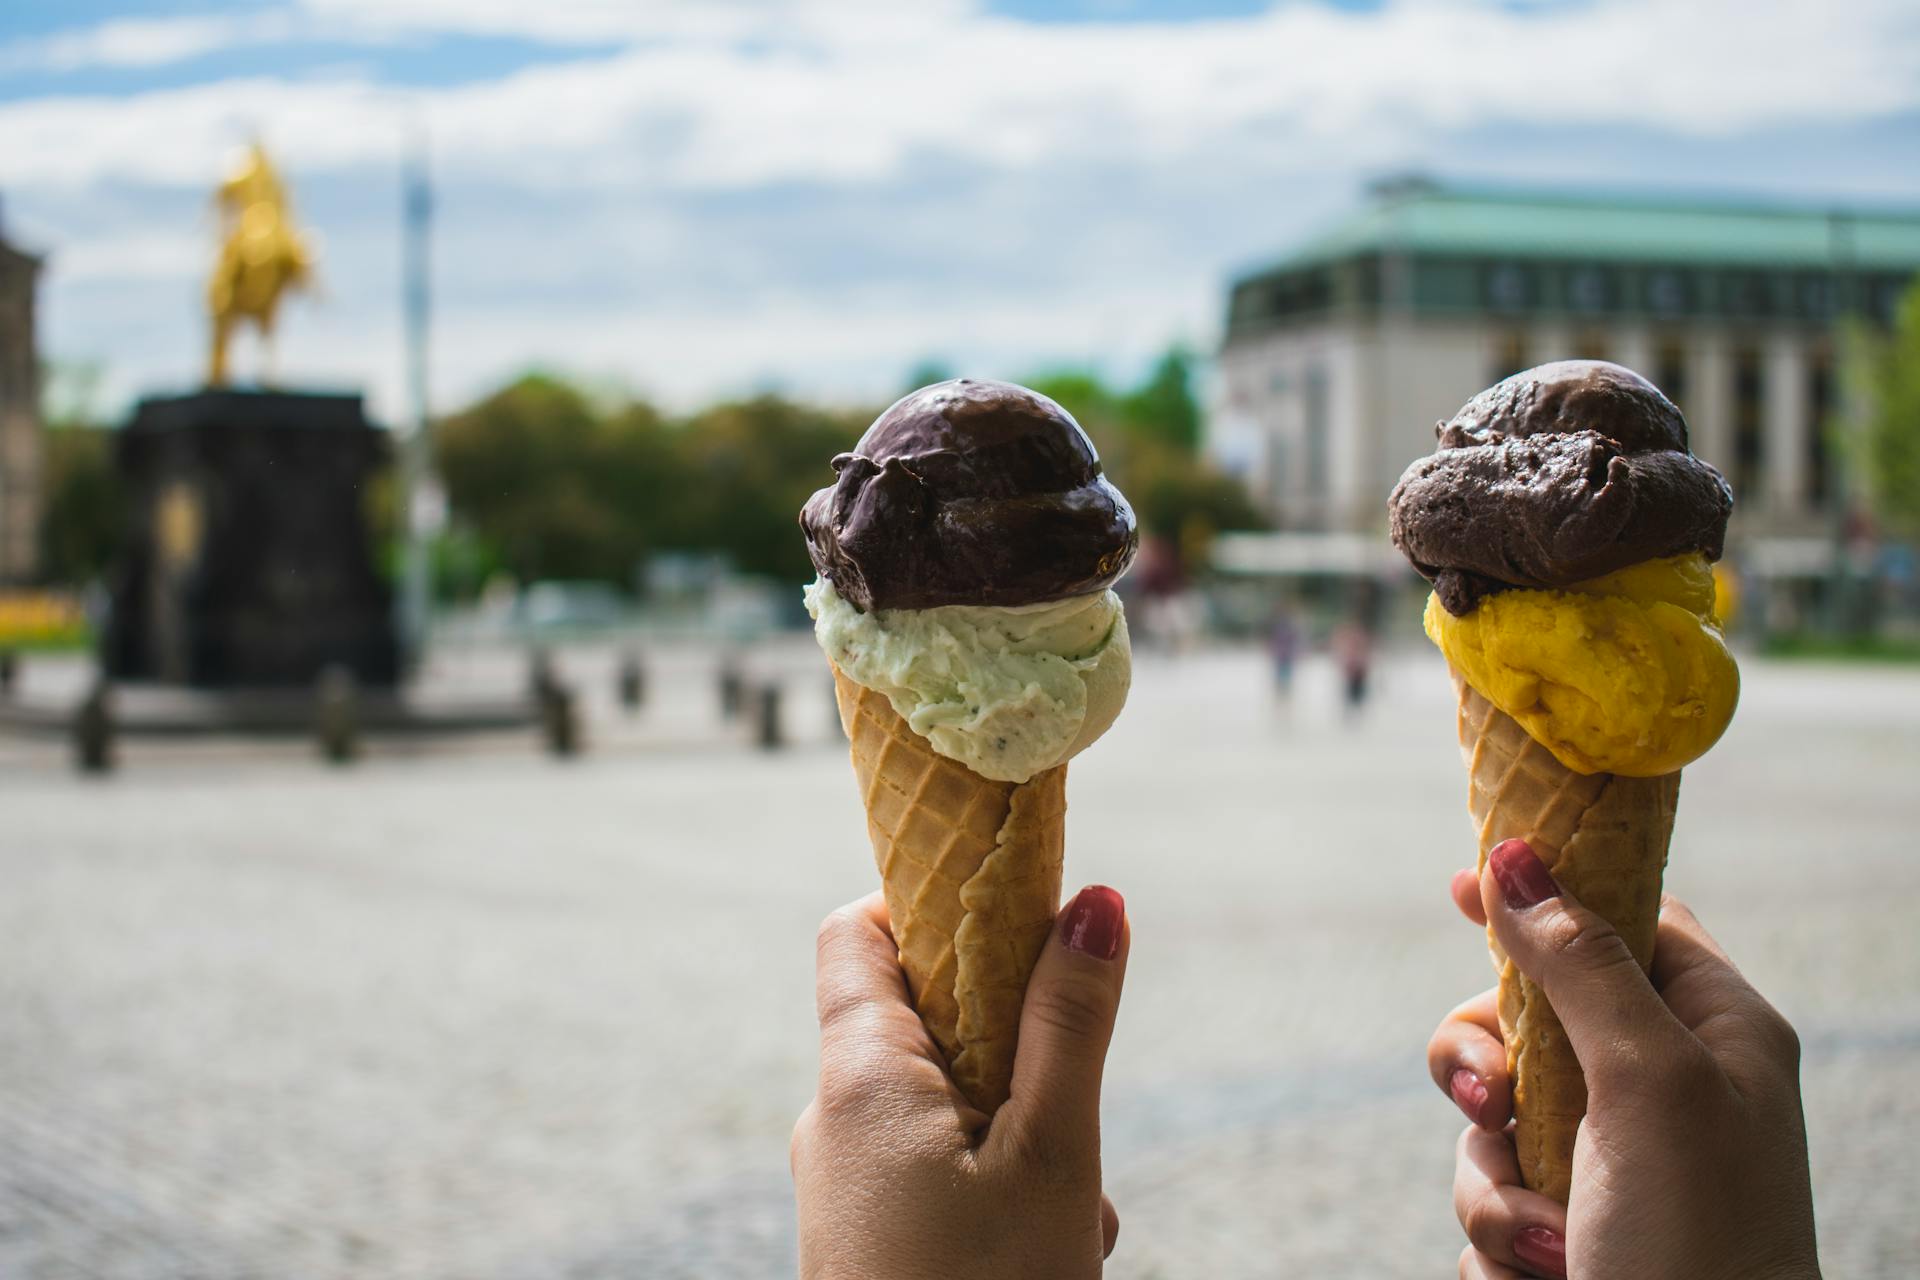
x: 1421, y: 217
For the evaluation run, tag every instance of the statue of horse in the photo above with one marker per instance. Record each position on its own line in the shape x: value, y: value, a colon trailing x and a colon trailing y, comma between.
x: 262, y: 256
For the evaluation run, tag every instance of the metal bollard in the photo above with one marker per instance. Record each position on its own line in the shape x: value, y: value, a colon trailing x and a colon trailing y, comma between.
x: 337, y: 715
x: 733, y: 688
x: 540, y: 673
x: 559, y: 720
x: 633, y: 681
x: 767, y: 718
x: 9, y: 671
x: 93, y: 730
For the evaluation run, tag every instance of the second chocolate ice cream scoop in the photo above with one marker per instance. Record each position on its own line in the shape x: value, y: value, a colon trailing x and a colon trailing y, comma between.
x: 1556, y: 475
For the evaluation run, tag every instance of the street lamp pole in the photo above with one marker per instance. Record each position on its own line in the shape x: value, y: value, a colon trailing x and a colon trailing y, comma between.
x: 416, y: 456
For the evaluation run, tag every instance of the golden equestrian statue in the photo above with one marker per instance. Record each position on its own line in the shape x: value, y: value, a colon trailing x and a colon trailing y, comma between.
x: 262, y: 256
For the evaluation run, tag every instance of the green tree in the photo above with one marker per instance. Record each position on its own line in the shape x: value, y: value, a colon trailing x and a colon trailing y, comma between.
x: 926, y: 373
x: 1148, y: 440
x: 1883, y: 377
x: 558, y: 489
x: 81, y: 518
x: 81, y: 515
x: 751, y: 464
x: 1163, y: 407
x: 1083, y: 393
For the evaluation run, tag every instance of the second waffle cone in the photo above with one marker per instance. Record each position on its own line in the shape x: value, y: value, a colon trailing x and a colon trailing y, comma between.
x: 971, y: 871
x: 1604, y: 837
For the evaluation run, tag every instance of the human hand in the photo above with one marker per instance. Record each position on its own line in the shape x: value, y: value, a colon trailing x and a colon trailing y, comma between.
x: 1692, y: 1159
x: 898, y: 1176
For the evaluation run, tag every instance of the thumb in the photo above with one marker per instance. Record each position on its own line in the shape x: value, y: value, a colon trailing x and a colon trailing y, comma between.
x: 1614, y: 1018
x: 1066, y: 1023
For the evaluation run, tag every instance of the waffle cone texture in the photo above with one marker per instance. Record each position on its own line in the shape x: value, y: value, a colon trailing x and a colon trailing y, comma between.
x: 1604, y: 837
x: 971, y: 871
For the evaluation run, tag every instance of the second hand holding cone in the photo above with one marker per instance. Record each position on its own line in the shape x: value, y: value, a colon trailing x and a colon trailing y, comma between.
x: 1604, y: 838
x: 1568, y: 531
x: 965, y: 555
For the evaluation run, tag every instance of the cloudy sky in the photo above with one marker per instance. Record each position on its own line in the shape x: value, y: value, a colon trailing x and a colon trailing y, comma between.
x: 709, y: 197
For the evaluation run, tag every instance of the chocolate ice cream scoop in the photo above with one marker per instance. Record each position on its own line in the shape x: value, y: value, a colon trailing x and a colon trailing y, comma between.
x: 1553, y: 476
x: 969, y: 492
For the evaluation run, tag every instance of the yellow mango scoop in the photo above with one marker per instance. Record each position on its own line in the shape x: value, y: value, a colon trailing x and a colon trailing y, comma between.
x: 1626, y: 673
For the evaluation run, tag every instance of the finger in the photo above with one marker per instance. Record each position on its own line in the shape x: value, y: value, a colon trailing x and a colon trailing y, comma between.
x: 1465, y: 889
x: 1714, y: 1000
x: 1614, y: 1019
x: 1467, y: 1060
x: 1109, y: 1226
x: 800, y: 1145
x: 1690, y: 970
x: 869, y: 1031
x: 1066, y: 1023
x: 1504, y: 1221
x: 857, y: 973
x: 1475, y: 1265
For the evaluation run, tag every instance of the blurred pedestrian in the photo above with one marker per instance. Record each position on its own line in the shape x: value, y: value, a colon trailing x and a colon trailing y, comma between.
x: 1283, y: 648
x: 1353, y: 655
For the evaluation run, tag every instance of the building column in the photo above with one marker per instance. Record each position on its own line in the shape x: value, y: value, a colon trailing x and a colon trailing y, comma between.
x: 1550, y: 340
x: 1788, y: 418
x: 1709, y: 398
x: 1361, y: 402
x: 1633, y: 347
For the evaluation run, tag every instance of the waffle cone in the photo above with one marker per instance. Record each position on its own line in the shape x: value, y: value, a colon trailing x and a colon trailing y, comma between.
x: 971, y: 871
x: 1604, y: 838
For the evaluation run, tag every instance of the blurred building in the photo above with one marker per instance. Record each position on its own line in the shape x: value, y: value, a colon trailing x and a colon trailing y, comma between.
x: 20, y: 440
x: 1339, y: 359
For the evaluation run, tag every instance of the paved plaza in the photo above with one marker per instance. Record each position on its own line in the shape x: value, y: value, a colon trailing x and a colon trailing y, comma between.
x: 467, y: 1012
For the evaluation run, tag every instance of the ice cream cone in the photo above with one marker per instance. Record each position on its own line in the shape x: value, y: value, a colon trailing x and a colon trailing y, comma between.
x: 971, y: 870
x: 1604, y: 838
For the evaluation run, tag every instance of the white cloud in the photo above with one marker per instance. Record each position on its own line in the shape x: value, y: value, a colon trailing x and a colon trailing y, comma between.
x: 136, y: 255
x: 821, y: 191
x: 143, y: 42
x: 852, y: 93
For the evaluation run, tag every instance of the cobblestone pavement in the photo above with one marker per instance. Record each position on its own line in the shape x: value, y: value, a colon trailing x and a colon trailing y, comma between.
x: 471, y: 1013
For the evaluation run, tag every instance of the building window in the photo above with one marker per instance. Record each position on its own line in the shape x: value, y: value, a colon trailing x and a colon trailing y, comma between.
x: 1820, y: 398
x: 1314, y: 394
x: 1509, y: 355
x: 1744, y: 295
x: 1887, y: 299
x: 1667, y: 293
x: 1589, y: 290
x: 1247, y: 305
x: 1509, y: 287
x: 1816, y: 298
x: 1670, y: 370
x: 1749, y: 439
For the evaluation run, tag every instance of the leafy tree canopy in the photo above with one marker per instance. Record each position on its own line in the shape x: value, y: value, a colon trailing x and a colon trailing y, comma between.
x: 562, y: 489
x: 1884, y: 382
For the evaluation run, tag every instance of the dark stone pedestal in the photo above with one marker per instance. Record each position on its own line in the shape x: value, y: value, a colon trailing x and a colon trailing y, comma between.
x: 248, y: 560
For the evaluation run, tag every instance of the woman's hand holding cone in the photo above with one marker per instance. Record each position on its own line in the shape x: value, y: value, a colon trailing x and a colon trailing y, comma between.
x: 1692, y: 1159
x: 898, y: 1175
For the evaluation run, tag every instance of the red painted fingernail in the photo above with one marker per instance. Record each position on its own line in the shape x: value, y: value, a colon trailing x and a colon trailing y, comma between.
x: 1092, y: 922
x: 1541, y: 1249
x: 1524, y: 879
x: 1469, y: 1093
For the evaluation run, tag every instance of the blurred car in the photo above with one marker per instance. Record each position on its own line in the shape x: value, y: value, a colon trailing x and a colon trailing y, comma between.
x: 570, y: 606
